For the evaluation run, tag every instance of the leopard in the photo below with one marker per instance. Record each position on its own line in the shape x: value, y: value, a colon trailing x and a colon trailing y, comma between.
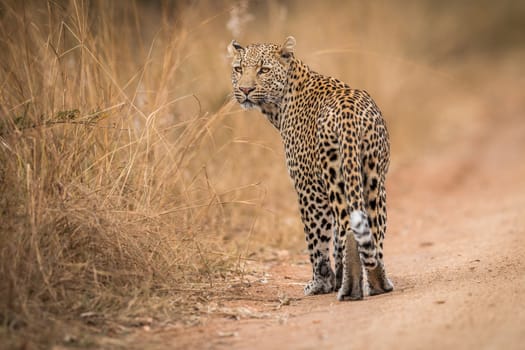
x: 337, y: 151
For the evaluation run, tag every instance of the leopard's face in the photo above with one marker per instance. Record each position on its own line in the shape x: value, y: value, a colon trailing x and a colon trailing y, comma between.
x: 259, y: 73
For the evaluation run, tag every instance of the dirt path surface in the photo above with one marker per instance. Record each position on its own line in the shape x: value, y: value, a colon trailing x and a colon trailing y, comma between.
x: 455, y: 252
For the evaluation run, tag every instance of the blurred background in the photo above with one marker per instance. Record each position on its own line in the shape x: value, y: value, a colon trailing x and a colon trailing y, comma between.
x: 130, y: 181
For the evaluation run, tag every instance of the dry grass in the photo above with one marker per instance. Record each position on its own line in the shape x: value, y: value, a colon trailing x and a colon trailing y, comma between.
x: 106, y: 210
x: 130, y: 186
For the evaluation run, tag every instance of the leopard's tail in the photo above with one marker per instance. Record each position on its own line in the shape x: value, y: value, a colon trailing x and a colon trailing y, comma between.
x: 364, y: 238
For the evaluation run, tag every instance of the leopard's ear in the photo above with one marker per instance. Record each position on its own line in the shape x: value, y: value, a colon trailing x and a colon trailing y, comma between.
x: 288, y: 47
x: 234, y: 48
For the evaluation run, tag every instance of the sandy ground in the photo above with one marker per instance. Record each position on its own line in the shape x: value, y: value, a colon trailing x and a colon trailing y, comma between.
x: 455, y: 251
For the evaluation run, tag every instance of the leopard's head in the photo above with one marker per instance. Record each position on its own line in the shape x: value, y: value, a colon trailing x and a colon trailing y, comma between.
x: 260, y: 72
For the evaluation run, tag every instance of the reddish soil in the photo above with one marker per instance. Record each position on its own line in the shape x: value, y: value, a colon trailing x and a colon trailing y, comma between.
x: 455, y: 252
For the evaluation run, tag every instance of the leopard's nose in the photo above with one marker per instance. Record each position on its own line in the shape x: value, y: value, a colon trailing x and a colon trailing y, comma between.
x: 246, y: 90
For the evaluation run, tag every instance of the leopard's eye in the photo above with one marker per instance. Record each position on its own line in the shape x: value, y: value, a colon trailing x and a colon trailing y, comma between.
x: 238, y: 69
x: 264, y: 70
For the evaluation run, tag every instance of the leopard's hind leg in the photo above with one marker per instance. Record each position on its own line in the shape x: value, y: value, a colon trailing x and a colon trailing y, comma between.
x: 375, y: 195
x: 317, y: 220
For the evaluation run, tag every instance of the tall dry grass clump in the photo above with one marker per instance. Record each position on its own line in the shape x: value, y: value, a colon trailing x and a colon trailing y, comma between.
x: 104, y: 207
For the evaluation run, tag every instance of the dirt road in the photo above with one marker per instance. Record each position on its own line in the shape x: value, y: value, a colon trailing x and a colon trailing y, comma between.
x: 455, y: 252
